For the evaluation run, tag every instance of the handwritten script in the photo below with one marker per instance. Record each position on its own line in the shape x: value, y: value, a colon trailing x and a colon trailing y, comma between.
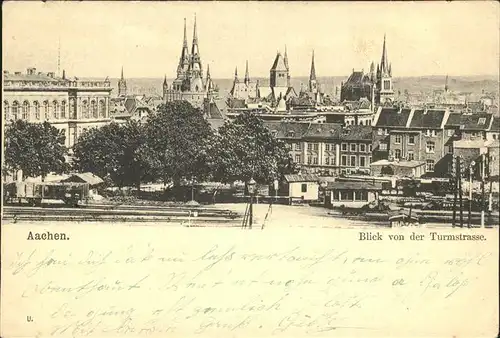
x: 225, y: 282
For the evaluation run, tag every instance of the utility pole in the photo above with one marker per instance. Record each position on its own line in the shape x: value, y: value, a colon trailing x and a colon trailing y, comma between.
x: 455, y: 186
x: 460, y: 193
x: 483, y: 169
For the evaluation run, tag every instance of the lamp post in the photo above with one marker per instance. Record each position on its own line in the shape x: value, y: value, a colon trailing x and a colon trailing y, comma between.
x: 276, y: 186
x: 472, y: 164
x: 251, y: 191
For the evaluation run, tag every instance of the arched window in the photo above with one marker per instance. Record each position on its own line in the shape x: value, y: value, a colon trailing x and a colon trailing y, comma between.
x: 102, y: 108
x: 36, y: 107
x: 63, y: 109
x: 6, y: 110
x: 85, y: 109
x: 56, y: 109
x: 46, y: 110
x: 15, y: 110
x: 26, y: 110
x: 93, y: 109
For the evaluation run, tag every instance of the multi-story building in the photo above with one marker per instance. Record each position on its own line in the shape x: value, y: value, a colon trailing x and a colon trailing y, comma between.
x: 326, y: 148
x: 69, y: 104
x: 403, y: 134
x: 189, y: 84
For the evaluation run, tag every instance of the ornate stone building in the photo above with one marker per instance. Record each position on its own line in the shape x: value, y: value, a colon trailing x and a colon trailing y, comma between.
x: 189, y: 84
x: 69, y: 104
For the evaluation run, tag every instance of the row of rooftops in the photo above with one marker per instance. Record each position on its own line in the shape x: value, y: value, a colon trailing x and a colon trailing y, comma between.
x: 433, y: 119
x: 304, y: 130
x: 32, y: 78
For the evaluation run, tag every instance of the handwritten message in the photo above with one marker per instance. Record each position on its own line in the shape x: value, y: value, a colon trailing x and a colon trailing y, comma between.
x: 176, y: 282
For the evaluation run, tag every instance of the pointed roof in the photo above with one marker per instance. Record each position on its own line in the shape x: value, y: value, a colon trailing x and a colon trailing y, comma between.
x: 384, y: 64
x: 279, y: 63
x: 184, y: 52
x: 194, y: 48
x: 208, y: 71
x: 286, y: 59
x: 165, y: 80
x: 312, y: 75
x: 122, y: 78
x: 247, y: 75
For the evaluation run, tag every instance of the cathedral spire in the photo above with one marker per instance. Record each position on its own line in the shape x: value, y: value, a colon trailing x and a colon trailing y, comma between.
x: 286, y: 59
x: 384, y: 65
x: 122, y: 78
x: 194, y: 49
x: 208, y: 71
x: 247, y: 74
x: 312, y: 75
x: 446, y: 84
x: 165, y: 80
x: 185, y: 42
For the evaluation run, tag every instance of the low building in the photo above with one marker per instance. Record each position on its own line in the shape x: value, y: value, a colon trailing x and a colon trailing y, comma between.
x: 398, y: 168
x: 354, y: 194
x: 305, y: 187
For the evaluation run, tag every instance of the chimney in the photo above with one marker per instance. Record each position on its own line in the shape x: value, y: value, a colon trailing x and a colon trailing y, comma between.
x: 17, y: 73
x: 51, y: 74
x: 31, y: 71
x: 64, y: 75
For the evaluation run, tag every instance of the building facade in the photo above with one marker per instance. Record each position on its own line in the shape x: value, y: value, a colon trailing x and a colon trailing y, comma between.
x: 69, y: 104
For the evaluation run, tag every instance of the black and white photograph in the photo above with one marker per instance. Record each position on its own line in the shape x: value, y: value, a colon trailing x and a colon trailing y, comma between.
x: 250, y: 169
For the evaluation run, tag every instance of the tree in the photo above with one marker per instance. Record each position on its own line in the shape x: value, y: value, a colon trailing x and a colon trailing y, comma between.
x: 387, y: 170
x: 120, y: 152
x: 245, y: 148
x: 178, y: 136
x: 35, y: 148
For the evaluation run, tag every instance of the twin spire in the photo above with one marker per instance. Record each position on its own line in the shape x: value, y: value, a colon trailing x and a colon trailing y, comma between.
x: 247, y: 74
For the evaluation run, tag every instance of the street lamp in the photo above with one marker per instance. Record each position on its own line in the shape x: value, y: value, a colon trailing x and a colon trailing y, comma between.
x: 251, y: 190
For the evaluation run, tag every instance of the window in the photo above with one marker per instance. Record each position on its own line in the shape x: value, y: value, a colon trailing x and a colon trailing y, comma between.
x: 72, y: 110
x: 450, y: 149
x: 380, y: 131
x: 411, y: 156
x: 369, y: 160
x: 494, y: 136
x: 309, y: 159
x: 344, y: 160
x: 431, y: 147
x: 346, y: 195
x: 297, y: 146
x: 56, y: 109
x: 429, y: 165
x: 102, y: 108
x: 46, y: 110
x: 362, y: 148
x: 304, y: 187
x: 353, y: 161
x: 473, y: 134
x: 15, y: 110
x: 327, y: 161
x: 309, y: 146
x: 361, y: 195
x: 387, y: 84
x: 63, y: 109
x: 315, y: 146
x: 36, y: 107
x: 6, y: 110
x: 26, y: 110
x: 397, y: 154
x: 411, y: 139
x: 451, y: 132
x: 344, y: 146
x: 332, y: 160
x: 315, y: 160
x: 397, y: 139
x: 353, y: 147
x: 433, y: 133
x: 383, y: 146
x: 481, y: 120
x: 386, y: 132
x: 362, y: 161
x: 297, y: 158
x: 369, y: 148
x: 427, y: 132
x: 85, y: 109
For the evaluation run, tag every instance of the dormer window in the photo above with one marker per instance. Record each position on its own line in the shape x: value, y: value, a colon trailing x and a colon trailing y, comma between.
x: 481, y: 120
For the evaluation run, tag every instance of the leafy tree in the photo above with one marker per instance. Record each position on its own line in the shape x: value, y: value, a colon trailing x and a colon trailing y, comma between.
x: 387, y: 170
x: 178, y: 136
x: 118, y: 152
x: 35, y: 148
x: 245, y: 148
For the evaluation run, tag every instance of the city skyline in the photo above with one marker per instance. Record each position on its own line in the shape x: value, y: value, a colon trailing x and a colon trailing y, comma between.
x: 95, y: 44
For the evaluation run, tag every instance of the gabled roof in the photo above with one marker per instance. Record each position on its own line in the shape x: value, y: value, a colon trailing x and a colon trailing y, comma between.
x: 279, y: 63
x: 89, y: 178
x: 469, y: 121
x: 289, y: 130
x: 301, y: 178
x: 324, y: 130
x: 393, y: 117
x: 430, y: 118
x: 357, y: 78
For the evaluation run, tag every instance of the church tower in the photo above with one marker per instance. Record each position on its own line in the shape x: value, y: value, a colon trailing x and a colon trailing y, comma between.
x: 279, y: 72
x: 122, y: 86
x: 165, y: 87
x: 385, y: 90
x: 247, y: 75
x: 287, y: 68
x: 195, y: 68
x: 313, y: 84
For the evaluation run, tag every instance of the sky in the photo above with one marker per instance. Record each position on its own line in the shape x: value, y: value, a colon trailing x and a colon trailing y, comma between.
x: 97, y: 38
